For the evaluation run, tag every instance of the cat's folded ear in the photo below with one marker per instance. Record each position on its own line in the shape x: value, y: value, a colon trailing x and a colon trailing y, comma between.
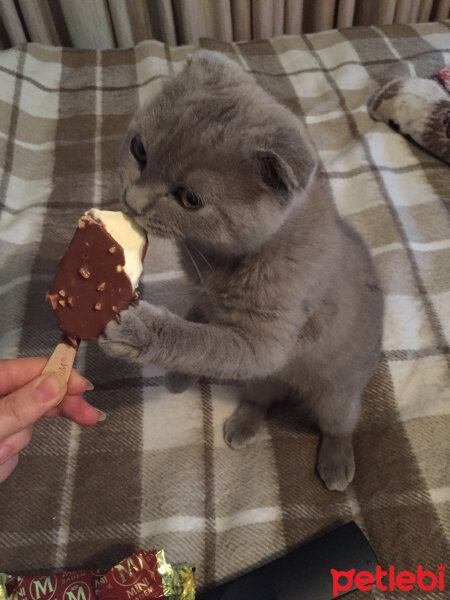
x: 287, y: 166
x: 211, y: 59
x: 276, y: 173
x: 215, y: 68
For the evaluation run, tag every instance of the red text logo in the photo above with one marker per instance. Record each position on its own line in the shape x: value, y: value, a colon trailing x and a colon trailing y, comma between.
x: 391, y: 580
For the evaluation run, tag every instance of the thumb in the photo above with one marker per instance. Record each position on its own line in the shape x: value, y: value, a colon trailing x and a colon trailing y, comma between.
x: 28, y: 403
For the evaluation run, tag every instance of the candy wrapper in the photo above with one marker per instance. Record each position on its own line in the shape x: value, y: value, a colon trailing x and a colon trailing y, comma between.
x: 145, y: 575
x: 73, y: 585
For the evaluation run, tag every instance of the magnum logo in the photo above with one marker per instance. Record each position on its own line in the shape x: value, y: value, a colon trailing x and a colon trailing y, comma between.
x: 78, y: 590
x: 43, y: 587
x: 128, y: 572
x: 135, y: 578
x: 73, y: 585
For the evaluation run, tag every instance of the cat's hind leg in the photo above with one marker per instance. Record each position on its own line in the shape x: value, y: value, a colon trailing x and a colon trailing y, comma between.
x: 177, y: 382
x: 249, y: 416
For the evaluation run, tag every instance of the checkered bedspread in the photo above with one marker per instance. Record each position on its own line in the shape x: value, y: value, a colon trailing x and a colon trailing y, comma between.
x: 157, y: 473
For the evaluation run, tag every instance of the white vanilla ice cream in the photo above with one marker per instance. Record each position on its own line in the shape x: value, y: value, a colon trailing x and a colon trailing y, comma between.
x: 128, y: 235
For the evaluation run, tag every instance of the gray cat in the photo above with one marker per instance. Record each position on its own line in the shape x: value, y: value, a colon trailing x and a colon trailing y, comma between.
x: 286, y: 298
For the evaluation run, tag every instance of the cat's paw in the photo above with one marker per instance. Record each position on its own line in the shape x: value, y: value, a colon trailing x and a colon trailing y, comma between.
x: 238, y: 432
x: 126, y: 338
x: 336, y: 463
x: 176, y: 382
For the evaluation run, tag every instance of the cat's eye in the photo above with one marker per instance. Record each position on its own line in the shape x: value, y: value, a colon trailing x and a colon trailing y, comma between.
x: 188, y: 199
x: 138, y: 151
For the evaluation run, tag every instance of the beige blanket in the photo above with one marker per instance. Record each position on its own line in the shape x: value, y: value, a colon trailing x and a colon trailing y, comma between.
x: 157, y: 473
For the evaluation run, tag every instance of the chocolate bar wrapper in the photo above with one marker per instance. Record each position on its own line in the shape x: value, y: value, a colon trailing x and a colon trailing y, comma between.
x: 146, y: 575
x: 73, y: 585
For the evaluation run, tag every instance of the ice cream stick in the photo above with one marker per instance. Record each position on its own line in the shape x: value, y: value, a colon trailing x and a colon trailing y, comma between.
x: 61, y: 360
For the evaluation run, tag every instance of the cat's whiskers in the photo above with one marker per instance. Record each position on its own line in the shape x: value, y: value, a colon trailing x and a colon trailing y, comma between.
x: 193, y: 261
x: 202, y: 255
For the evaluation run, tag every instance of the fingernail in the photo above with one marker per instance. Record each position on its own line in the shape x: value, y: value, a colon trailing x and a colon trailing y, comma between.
x: 5, y: 453
x: 102, y: 416
x: 90, y: 386
x: 49, y: 387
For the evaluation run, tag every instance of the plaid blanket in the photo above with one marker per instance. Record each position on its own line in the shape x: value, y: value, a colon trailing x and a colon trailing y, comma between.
x: 157, y: 473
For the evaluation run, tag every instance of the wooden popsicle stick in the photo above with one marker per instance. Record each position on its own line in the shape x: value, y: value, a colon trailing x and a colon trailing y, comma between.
x: 61, y: 360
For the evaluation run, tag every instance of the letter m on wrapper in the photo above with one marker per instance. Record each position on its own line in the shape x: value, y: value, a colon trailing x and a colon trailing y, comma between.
x: 128, y: 571
x: 43, y: 588
x: 77, y: 591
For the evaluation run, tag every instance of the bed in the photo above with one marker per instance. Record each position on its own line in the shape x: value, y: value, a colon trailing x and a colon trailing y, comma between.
x: 157, y: 473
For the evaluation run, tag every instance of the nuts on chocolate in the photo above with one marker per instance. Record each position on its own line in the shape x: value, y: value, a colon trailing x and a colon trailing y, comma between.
x: 101, y: 287
x: 119, y: 268
x: 62, y: 302
x: 70, y: 301
x: 112, y: 249
x: 53, y: 299
x: 97, y: 306
x: 84, y: 273
x: 62, y: 293
x: 114, y: 309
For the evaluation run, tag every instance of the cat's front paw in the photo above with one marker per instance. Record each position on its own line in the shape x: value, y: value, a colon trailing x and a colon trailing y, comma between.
x: 128, y: 337
x: 336, y: 463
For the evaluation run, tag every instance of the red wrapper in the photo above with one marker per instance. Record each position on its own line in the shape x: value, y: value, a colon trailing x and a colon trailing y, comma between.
x: 136, y: 577
x: 145, y: 575
x: 73, y: 585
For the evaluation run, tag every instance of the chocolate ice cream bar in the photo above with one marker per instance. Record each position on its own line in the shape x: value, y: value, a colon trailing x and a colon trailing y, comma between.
x: 97, y: 278
x: 99, y: 273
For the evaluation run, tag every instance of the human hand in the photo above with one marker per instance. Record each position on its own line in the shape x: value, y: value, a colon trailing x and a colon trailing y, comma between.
x: 26, y: 395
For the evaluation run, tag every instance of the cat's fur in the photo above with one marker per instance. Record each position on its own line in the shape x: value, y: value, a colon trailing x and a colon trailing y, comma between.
x: 286, y: 295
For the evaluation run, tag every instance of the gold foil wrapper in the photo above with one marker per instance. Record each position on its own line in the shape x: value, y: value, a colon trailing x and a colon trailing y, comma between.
x: 3, y: 590
x: 187, y: 574
x: 178, y: 581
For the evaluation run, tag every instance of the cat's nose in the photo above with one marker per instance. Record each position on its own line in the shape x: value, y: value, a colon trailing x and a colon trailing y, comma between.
x: 135, y: 199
